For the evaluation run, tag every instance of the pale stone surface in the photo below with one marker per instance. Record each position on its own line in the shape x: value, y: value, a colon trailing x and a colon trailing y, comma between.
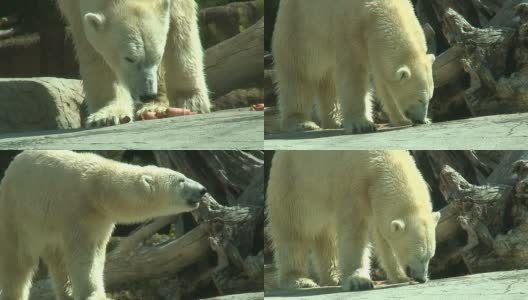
x: 497, y: 285
x: 28, y: 104
x: 500, y: 132
x: 231, y: 129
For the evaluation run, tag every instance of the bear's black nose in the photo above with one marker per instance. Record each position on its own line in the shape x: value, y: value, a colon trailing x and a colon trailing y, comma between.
x: 148, y: 97
x: 203, y: 191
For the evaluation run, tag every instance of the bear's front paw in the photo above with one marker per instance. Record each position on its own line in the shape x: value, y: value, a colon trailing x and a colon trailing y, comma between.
x: 399, y: 278
x: 357, y: 283
x: 157, y: 108
x: 98, y: 296
x: 113, y: 114
x: 402, y: 122
x: 298, y: 283
x: 292, y: 126
x: 359, y: 126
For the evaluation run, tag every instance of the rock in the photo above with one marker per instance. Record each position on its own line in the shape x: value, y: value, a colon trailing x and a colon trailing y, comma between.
x: 29, y: 104
x: 484, y: 286
x: 249, y: 296
x: 230, y: 129
x: 499, y: 132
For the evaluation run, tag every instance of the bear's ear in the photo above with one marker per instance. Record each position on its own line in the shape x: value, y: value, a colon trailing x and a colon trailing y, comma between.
x: 95, y: 21
x: 147, y: 181
x: 431, y: 57
x: 404, y: 73
x: 436, y: 217
x: 397, y: 226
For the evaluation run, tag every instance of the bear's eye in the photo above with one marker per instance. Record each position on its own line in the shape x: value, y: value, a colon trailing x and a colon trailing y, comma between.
x: 181, y: 180
x: 129, y: 59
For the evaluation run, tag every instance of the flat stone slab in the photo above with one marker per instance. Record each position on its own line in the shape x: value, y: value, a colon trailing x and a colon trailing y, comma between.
x: 248, y: 296
x: 500, y: 132
x: 230, y: 129
x: 485, y: 286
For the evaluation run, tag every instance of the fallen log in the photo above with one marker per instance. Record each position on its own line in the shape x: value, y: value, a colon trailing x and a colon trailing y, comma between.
x: 236, y: 62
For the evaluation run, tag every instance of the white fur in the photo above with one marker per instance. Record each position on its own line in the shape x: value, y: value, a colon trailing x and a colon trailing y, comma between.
x: 324, y: 53
x: 332, y: 204
x: 121, y: 47
x: 62, y: 206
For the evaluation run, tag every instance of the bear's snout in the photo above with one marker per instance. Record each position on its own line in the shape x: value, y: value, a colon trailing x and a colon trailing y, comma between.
x: 418, y: 114
x: 417, y: 273
x: 194, y: 192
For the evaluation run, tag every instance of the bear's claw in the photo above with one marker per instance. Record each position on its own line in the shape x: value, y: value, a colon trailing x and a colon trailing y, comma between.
x: 299, y: 283
x: 357, y: 127
x: 357, y: 283
x: 110, y: 115
x: 302, y: 126
x: 159, y: 109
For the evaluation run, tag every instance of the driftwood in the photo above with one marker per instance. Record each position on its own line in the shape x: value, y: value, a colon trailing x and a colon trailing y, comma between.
x: 237, y: 62
x: 219, y: 23
x: 484, y: 212
x: 225, y: 174
x: 223, y: 249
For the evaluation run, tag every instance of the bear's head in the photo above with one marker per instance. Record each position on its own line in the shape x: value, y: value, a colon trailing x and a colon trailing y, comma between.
x: 131, y: 36
x: 413, y: 241
x: 171, y: 191
x: 408, y: 84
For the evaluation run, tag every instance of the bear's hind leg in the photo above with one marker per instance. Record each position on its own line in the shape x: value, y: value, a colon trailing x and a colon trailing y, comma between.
x: 324, y: 254
x: 291, y: 258
x: 54, y: 260
x: 353, y: 93
x: 15, y: 276
x: 386, y: 257
x: 296, y: 104
x: 326, y: 99
x: 85, y: 268
x: 353, y: 255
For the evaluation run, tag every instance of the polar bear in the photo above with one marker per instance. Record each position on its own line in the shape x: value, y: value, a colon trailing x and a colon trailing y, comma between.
x: 326, y: 52
x: 62, y: 206
x: 331, y: 204
x: 123, y: 46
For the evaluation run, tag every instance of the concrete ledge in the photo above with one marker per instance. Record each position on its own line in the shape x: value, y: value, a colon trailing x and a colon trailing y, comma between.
x: 249, y: 296
x: 500, y: 132
x: 485, y: 286
x: 231, y: 129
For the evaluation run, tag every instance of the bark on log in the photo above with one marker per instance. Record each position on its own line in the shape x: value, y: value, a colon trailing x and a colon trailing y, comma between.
x: 236, y: 233
x: 225, y: 174
x: 483, y: 226
x: 237, y: 62
x: 219, y: 23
